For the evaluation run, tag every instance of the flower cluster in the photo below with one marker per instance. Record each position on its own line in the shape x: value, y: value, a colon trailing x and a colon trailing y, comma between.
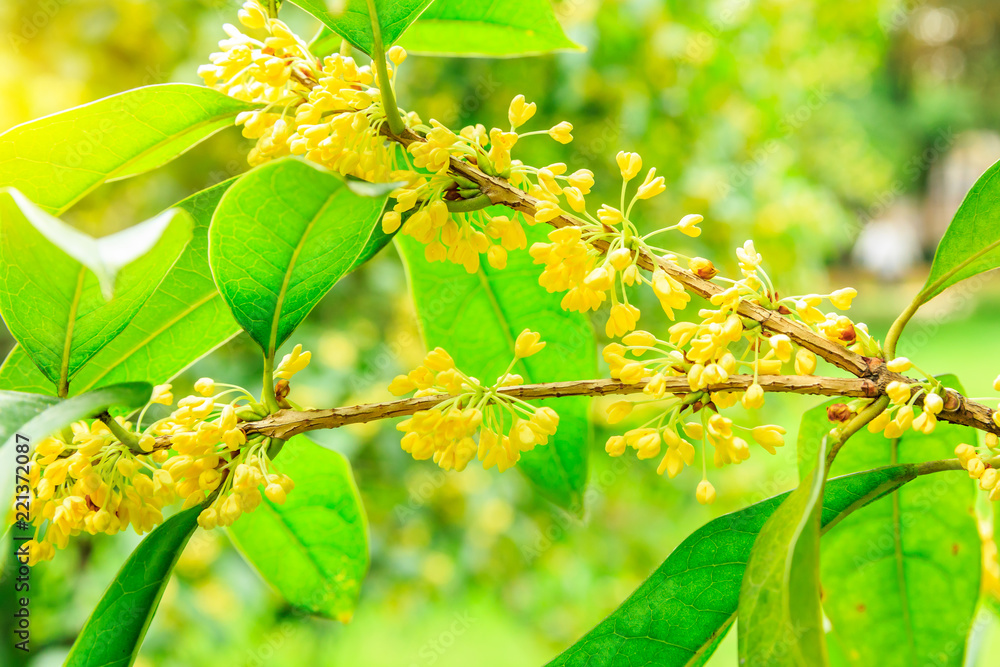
x: 324, y: 109
x: 901, y: 415
x: 476, y: 420
x: 331, y: 111
x: 462, y: 236
x: 105, y: 475
x: 667, y: 426
x: 969, y: 457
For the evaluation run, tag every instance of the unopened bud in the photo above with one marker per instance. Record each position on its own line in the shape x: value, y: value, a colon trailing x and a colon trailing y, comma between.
x: 702, y: 268
x: 839, y: 412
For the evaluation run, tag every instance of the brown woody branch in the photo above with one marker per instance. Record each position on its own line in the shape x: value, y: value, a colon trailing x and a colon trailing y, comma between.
x: 288, y: 423
x: 500, y: 191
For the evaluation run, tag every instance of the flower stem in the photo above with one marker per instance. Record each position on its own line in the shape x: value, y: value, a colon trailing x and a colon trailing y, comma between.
x: 268, y: 398
x: 392, y: 116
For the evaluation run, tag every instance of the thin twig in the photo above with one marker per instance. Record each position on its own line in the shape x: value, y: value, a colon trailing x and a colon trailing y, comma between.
x: 287, y: 423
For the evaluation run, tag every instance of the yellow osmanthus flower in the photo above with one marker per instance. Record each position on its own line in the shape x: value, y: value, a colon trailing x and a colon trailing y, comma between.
x: 989, y: 478
x: 899, y: 417
x: 292, y: 363
x: 476, y: 420
x: 102, y: 478
x: 653, y: 360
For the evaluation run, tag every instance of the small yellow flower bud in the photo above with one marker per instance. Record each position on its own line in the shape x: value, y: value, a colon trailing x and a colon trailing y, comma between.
x: 208, y: 519
x: 609, y: 215
x: 547, y: 419
x: 583, y: 179
x: 292, y: 363
x: 527, y: 344
x: 615, y: 445
x: 391, y: 221
x: 965, y: 452
x: 575, y: 199
x: 769, y: 437
x: 439, y: 360
x: 976, y: 468
x: 520, y: 112
x: 397, y: 55
x: 805, y: 362
x: 898, y: 392
x: 996, y: 384
x: 620, y: 259
x: 899, y: 365
x: 672, y: 464
x: 754, y: 397
x: 205, y: 386
x: 275, y: 493
x: 639, y: 339
x: 147, y: 442
x: 694, y: 430
x: 933, y: 403
x: 497, y: 257
x: 841, y: 299
x: 162, y: 395
x: 629, y: 163
x: 619, y: 410
x: 632, y: 372
x: 988, y: 479
x: 652, y: 186
x: 705, y: 492
x: 689, y: 225
x: 702, y: 268
x: 561, y: 133
x: 782, y: 346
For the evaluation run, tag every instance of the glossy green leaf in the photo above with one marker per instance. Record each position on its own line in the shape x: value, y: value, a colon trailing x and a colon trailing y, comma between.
x: 780, y: 617
x: 282, y: 236
x: 477, y: 317
x: 18, y: 408
x: 182, y: 321
x: 490, y: 29
x: 354, y: 24
x: 115, y: 630
x: 678, y: 616
x: 314, y: 548
x: 56, y: 283
x: 971, y: 245
x: 909, y: 566
x: 58, y: 159
x: 33, y: 417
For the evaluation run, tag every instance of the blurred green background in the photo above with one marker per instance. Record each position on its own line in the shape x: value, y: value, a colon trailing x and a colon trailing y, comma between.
x: 840, y: 136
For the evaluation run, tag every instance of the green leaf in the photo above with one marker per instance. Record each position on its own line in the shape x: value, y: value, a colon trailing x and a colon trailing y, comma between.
x: 182, y: 321
x: 18, y: 408
x: 32, y: 417
x: 679, y: 615
x: 115, y: 630
x: 314, y: 548
x: 780, y: 618
x: 477, y: 317
x: 909, y: 566
x: 58, y: 159
x: 489, y: 29
x: 55, y: 282
x: 354, y: 24
x: 282, y: 236
x: 971, y: 245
